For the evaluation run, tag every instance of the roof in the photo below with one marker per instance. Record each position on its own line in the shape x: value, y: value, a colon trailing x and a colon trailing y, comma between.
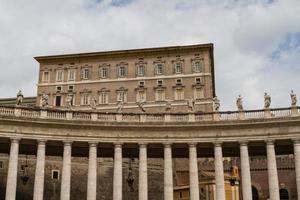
x: 168, y: 49
x: 30, y: 101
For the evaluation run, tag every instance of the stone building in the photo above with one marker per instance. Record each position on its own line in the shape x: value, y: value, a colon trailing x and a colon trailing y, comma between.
x: 118, y: 125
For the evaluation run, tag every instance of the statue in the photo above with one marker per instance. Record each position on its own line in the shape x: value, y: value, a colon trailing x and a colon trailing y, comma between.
x: 69, y: 101
x: 216, y: 104
x: 120, y: 107
x: 293, y: 99
x: 191, y: 104
x: 141, y: 104
x: 19, y: 97
x: 93, y: 103
x: 168, y: 106
x: 239, y: 103
x: 267, y: 100
x: 45, y: 99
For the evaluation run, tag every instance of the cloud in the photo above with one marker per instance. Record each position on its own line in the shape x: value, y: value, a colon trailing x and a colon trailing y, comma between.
x: 256, y: 42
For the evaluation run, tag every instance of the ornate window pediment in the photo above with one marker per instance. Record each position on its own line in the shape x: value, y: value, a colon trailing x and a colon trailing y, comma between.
x: 140, y: 68
x: 197, y: 64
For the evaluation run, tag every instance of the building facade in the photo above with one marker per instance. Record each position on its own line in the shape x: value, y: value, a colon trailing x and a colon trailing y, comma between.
x: 155, y: 76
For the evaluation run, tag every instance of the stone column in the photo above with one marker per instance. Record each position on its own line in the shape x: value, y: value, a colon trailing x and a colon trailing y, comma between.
x: 245, y: 172
x: 117, y: 180
x: 219, y: 173
x: 272, y: 171
x: 11, y: 184
x: 143, y: 176
x: 92, y: 172
x: 38, y: 191
x: 66, y: 172
x: 168, y: 172
x: 194, y: 181
x: 297, y: 165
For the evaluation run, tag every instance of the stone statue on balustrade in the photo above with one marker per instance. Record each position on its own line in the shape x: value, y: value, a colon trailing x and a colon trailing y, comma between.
x: 168, y: 106
x: 191, y: 104
x: 93, y: 102
x: 19, y: 97
x: 239, y: 103
x: 69, y: 101
x: 293, y: 99
x: 45, y: 99
x: 267, y: 101
x: 120, y: 106
x: 141, y: 104
x: 216, y: 104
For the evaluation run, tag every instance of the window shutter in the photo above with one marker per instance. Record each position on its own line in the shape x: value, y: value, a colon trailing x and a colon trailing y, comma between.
x: 82, y: 73
x: 90, y: 73
x: 125, y: 70
x: 108, y: 72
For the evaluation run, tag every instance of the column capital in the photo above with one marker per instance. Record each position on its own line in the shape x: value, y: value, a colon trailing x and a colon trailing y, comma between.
x: 167, y: 145
x: 243, y: 142
x: 15, y: 139
x: 296, y: 141
x: 118, y: 144
x: 41, y: 141
x: 143, y: 144
x: 67, y: 142
x: 270, y: 141
x: 218, y: 143
x: 93, y: 143
x: 192, y: 144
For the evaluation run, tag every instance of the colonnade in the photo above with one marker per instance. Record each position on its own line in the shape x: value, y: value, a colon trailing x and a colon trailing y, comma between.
x: 143, y: 180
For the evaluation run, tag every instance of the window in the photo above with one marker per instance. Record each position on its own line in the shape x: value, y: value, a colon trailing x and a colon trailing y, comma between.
x: 179, y: 94
x: 122, y: 71
x: 71, y: 75
x: 141, y: 83
x: 103, y: 72
x: 122, y: 96
x: 103, y: 98
x: 198, y: 66
x: 198, y: 93
x: 141, y: 70
x: 1, y: 164
x: 45, y: 77
x: 178, y: 68
x: 198, y: 81
x: 86, y: 74
x: 159, y: 83
x: 141, y: 96
x: 70, y: 88
x: 159, y: 95
x: 59, y: 75
x: 58, y: 88
x: 159, y: 69
x: 55, y: 174
x: 85, y: 99
x: 178, y: 81
x: 58, y: 101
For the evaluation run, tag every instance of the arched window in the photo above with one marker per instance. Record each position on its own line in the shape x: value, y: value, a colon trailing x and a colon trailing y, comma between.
x: 284, y: 194
x: 255, y: 195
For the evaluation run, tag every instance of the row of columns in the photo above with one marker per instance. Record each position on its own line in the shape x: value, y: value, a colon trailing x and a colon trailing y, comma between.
x: 143, y: 180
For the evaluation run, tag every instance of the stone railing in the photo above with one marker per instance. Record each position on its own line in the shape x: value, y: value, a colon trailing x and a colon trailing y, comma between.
x: 26, y: 112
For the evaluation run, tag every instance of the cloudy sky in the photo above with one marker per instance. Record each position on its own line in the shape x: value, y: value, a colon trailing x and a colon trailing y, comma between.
x: 257, y: 42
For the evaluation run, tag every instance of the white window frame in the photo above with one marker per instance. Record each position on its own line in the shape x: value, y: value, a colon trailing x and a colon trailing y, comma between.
x: 71, y: 74
x: 122, y: 96
x: 104, y: 72
x: 59, y: 75
x: 141, y: 70
x: 122, y: 71
x: 85, y: 99
x: 160, y: 95
x: 162, y: 82
x: 103, y: 97
x: 44, y: 77
x: 199, y: 95
x: 140, y: 95
x: 179, y: 94
x: 58, y: 174
x: 159, y: 69
x: 178, y: 68
x: 198, y: 66
x: 86, y: 74
x: 178, y: 81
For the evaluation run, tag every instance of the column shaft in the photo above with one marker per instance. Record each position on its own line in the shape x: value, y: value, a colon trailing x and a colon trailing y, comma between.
x: 92, y: 173
x: 38, y: 191
x: 66, y: 172
x: 143, y: 175
x: 219, y: 173
x: 11, y: 185
x: 117, y: 180
x: 245, y: 172
x: 194, y: 180
x: 297, y: 165
x: 272, y: 172
x: 168, y: 173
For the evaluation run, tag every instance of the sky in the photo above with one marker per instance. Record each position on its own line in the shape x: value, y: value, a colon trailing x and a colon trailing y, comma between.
x: 256, y: 42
